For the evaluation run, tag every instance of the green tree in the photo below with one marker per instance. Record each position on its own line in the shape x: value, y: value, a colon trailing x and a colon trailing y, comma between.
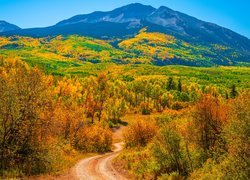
x: 233, y: 92
x: 168, y: 154
x: 179, y: 86
x: 171, y: 84
x: 102, y: 93
x: 115, y: 109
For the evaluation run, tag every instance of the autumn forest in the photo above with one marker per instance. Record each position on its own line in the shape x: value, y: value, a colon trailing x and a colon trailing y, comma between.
x: 150, y: 105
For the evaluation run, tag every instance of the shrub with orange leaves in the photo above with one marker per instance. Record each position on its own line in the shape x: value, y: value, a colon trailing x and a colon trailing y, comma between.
x: 140, y: 133
x: 95, y: 138
x: 209, y: 118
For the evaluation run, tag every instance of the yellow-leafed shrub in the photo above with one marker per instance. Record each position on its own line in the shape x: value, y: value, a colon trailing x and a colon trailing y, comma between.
x: 140, y: 133
x: 94, y: 139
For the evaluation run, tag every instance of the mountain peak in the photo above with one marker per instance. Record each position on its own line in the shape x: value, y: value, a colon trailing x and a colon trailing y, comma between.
x: 2, y: 22
x: 129, y: 13
x: 164, y: 8
x: 136, y: 6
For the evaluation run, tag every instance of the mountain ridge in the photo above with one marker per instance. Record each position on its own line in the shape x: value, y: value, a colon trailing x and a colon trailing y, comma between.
x: 131, y: 8
x: 5, y: 26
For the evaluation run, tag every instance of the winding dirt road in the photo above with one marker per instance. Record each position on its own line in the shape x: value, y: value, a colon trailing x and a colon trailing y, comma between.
x: 100, y: 167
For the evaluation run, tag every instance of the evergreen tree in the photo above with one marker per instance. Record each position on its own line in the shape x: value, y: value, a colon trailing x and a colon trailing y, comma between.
x: 227, y: 96
x: 233, y: 92
x: 179, y: 85
x: 171, y: 84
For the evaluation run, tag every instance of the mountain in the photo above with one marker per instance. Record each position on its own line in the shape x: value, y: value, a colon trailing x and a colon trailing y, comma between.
x: 195, y: 30
x: 121, y: 22
x: 5, y: 26
x: 128, y: 20
x: 211, y: 43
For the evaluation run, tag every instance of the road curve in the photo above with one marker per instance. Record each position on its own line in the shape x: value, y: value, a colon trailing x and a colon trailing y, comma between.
x: 99, y: 167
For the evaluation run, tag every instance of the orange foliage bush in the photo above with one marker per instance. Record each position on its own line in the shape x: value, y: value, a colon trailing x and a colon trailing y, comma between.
x: 140, y: 133
x: 94, y: 139
x: 209, y: 118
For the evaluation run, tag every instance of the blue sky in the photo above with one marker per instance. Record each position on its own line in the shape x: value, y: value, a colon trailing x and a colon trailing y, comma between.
x: 233, y: 14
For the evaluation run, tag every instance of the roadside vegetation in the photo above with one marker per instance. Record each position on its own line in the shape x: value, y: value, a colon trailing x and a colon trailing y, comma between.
x: 209, y: 140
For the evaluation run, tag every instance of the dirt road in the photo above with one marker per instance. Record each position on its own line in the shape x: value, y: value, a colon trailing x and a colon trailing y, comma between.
x: 100, y: 167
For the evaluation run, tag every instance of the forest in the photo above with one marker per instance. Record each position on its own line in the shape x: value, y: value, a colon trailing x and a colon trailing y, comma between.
x: 182, y: 122
x: 143, y: 48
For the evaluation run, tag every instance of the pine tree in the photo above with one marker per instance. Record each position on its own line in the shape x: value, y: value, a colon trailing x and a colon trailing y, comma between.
x: 171, y: 84
x: 233, y: 92
x: 227, y: 96
x: 179, y: 85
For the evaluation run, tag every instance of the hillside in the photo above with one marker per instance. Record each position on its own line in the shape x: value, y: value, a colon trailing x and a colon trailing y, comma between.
x: 144, y: 48
x: 164, y: 49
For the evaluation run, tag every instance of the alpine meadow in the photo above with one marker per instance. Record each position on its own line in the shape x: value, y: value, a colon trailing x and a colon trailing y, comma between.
x: 137, y: 92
